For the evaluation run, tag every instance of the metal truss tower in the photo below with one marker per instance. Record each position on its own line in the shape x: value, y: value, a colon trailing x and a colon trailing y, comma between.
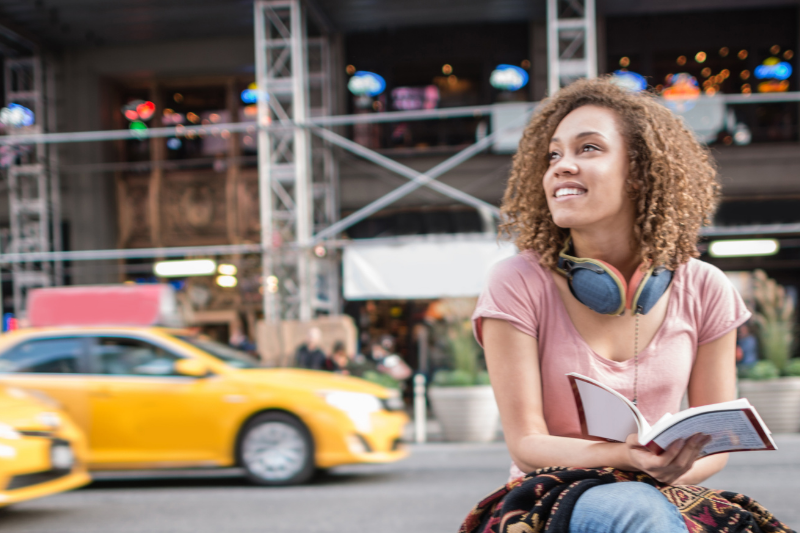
x: 297, y: 174
x: 32, y: 181
x: 571, y: 42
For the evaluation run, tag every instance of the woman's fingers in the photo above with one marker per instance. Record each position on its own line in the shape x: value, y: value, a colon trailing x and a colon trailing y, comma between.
x: 689, y: 452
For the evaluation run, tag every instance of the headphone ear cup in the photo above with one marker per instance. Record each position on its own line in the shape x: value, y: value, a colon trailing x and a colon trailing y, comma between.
x: 633, y: 286
x: 655, y: 287
x: 598, y: 292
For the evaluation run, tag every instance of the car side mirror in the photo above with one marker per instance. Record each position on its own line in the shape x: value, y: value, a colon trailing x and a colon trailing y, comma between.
x: 191, y: 367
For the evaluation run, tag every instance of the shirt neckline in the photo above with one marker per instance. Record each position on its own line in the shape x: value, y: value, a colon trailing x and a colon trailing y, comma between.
x: 647, y: 350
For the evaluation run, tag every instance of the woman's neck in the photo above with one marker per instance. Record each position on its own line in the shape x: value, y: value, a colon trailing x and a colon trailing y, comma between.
x: 612, y: 247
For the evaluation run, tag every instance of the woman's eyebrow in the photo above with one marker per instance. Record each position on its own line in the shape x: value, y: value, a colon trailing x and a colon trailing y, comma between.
x: 580, y: 135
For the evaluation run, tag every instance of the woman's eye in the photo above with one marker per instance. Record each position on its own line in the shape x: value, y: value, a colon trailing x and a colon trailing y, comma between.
x: 590, y: 147
x: 552, y: 156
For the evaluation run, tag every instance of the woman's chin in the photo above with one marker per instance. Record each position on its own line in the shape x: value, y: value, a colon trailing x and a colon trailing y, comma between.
x: 568, y: 222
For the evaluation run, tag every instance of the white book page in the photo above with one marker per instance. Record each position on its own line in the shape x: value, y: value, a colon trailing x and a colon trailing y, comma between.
x: 607, y: 414
x: 670, y: 420
x: 729, y: 430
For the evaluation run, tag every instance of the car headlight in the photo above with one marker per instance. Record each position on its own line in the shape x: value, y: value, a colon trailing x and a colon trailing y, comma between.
x: 8, y: 433
x: 51, y: 420
x: 357, y: 405
x: 7, y: 452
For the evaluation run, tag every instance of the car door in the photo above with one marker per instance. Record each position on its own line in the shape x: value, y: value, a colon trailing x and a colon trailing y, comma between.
x: 144, y: 413
x: 55, y: 366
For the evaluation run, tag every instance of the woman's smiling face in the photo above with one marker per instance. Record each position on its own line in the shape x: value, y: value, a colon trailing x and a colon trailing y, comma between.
x: 589, y: 167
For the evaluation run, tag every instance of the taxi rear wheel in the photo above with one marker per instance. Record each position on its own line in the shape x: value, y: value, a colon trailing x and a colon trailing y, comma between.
x: 277, y: 449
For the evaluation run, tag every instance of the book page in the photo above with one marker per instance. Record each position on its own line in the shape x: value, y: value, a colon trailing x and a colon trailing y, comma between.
x: 607, y: 416
x: 729, y: 430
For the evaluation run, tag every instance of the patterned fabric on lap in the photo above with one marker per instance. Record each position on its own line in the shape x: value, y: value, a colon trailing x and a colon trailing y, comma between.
x: 543, y: 500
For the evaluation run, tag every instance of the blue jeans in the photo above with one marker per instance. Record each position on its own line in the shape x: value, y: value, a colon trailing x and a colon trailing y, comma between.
x: 626, y: 507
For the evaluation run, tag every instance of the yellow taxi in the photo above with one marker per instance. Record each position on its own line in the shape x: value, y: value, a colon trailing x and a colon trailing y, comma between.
x: 41, y: 451
x: 150, y: 397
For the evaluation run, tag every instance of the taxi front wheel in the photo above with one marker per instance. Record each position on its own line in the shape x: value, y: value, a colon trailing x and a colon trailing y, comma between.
x: 276, y: 449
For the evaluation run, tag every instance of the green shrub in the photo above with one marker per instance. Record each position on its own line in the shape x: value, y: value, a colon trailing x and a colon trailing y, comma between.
x: 775, y: 318
x: 763, y: 370
x: 792, y: 368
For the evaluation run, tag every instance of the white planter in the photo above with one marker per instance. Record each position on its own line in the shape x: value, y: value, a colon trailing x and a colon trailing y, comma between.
x: 467, y: 414
x: 776, y: 400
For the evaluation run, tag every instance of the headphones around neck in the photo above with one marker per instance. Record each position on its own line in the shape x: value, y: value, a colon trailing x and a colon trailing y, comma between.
x: 603, y: 289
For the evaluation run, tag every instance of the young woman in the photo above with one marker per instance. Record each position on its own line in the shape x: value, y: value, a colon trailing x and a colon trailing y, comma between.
x: 614, y: 177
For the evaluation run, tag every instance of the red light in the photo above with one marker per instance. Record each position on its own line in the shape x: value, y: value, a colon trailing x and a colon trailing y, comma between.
x: 146, y: 110
x: 131, y: 114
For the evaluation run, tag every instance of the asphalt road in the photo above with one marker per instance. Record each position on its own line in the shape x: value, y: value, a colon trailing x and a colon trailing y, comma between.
x: 429, y: 493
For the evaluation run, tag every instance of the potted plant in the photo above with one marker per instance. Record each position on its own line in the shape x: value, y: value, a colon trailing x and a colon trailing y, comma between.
x: 772, y: 384
x: 461, y: 396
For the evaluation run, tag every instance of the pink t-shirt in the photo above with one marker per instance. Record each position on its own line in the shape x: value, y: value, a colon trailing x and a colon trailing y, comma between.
x: 703, y: 306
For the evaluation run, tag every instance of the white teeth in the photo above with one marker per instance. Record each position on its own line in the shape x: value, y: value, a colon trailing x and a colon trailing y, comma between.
x: 567, y: 192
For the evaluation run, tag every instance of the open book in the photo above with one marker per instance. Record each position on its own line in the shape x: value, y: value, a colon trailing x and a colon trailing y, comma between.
x: 604, y: 413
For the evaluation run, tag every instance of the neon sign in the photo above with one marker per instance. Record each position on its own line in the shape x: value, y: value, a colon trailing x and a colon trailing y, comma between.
x: 773, y: 69
x: 413, y: 98
x: 773, y: 86
x: 250, y: 95
x: 139, y: 110
x: 629, y: 80
x: 365, y: 83
x: 683, y: 90
x: 508, y: 78
x: 17, y: 116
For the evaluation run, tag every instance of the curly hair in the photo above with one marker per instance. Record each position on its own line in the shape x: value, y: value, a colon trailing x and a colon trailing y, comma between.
x: 673, y: 178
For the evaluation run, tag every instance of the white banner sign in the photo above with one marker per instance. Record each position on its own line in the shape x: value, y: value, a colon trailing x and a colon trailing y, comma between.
x: 427, y: 269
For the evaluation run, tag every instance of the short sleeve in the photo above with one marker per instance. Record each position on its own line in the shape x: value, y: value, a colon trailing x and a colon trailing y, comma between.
x: 512, y: 292
x: 721, y: 307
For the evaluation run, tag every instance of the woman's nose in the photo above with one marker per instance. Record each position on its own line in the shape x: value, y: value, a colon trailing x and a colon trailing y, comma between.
x: 565, y: 165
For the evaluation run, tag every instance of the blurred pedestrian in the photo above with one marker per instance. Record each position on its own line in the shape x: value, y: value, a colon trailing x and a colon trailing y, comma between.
x: 339, y: 360
x: 309, y: 355
x: 746, y: 349
x: 388, y: 362
x: 240, y: 341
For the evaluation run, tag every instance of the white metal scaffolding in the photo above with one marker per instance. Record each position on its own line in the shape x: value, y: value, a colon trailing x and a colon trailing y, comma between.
x: 296, y: 187
x: 571, y: 42
x: 34, y: 199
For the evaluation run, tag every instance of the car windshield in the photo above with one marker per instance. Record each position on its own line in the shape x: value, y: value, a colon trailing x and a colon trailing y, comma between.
x: 226, y: 354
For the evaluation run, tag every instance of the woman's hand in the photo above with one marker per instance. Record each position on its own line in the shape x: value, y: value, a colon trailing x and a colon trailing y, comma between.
x: 676, y: 460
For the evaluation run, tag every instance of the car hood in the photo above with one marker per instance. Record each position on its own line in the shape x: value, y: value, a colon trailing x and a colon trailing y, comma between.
x: 310, y: 380
x: 21, y: 411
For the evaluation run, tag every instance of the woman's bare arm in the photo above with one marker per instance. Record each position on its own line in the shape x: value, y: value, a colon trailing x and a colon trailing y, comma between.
x: 713, y: 380
x: 512, y: 358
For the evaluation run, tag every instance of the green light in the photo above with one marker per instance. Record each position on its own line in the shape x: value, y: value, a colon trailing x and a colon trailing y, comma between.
x: 138, y: 127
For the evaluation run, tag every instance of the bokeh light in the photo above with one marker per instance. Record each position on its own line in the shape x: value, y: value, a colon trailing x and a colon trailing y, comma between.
x: 742, y: 54
x: 700, y: 57
x: 624, y: 62
x: 723, y: 52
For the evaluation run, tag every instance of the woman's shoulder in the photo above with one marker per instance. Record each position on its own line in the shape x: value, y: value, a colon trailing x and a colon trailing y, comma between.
x: 525, y: 262
x: 698, y: 275
x: 517, y: 275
